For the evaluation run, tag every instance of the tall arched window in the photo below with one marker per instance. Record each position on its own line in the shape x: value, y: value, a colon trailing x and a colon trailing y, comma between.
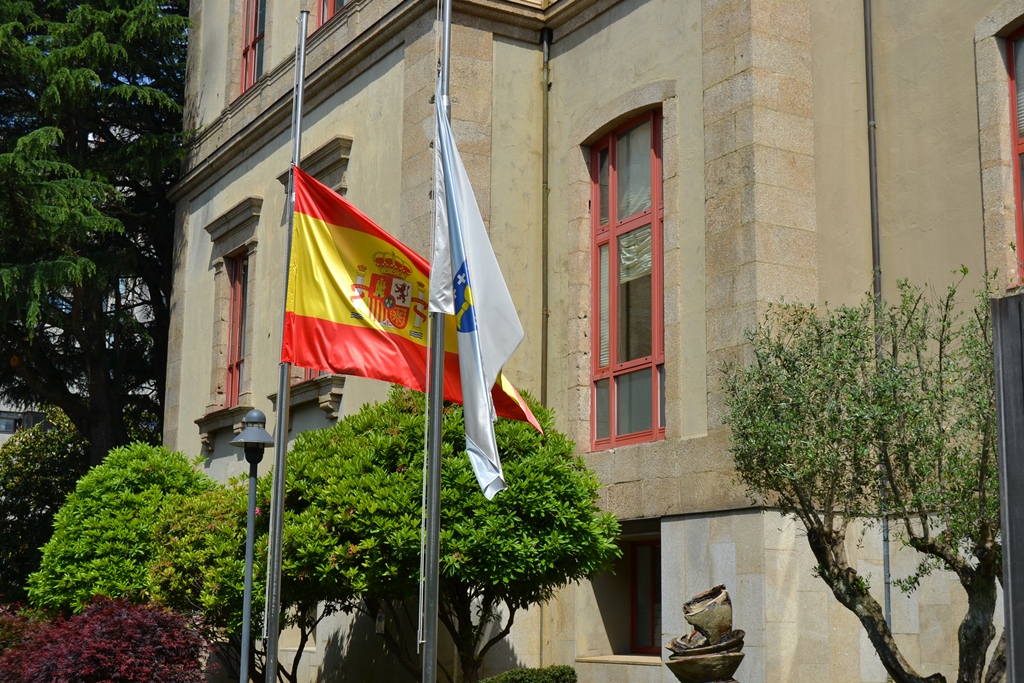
x: 628, y: 356
x: 1016, y: 65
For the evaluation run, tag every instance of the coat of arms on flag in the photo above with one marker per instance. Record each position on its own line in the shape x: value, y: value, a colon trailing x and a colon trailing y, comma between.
x: 390, y: 294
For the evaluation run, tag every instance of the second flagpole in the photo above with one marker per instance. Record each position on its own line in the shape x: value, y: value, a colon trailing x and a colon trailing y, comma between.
x: 432, y: 470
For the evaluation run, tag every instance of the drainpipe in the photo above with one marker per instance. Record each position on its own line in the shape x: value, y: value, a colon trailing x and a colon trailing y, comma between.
x: 545, y: 84
x: 876, y: 264
x: 545, y: 41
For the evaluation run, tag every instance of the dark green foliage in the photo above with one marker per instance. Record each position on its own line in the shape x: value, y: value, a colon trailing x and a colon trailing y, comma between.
x: 833, y: 430
x: 38, y: 469
x: 103, y: 541
x: 353, y: 522
x: 90, y: 143
x: 560, y: 673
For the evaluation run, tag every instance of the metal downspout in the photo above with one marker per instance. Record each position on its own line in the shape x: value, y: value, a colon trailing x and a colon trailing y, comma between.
x: 876, y: 261
x: 545, y: 41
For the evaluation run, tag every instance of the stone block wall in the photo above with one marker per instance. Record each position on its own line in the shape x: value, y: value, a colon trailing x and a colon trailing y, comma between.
x: 759, y: 169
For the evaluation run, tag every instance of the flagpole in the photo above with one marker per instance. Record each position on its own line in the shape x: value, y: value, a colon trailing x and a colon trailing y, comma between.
x: 436, y: 406
x: 272, y: 612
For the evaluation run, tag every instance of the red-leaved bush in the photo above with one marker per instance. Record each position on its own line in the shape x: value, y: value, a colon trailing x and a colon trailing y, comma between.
x: 13, y: 628
x: 111, y: 641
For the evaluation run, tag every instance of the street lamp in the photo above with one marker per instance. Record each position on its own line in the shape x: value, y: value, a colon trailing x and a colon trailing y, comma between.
x: 253, y: 439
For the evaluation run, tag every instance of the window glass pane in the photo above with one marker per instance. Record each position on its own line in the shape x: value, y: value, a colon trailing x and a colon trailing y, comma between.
x: 603, y: 173
x: 243, y: 286
x: 633, y: 402
x: 338, y: 4
x: 661, y: 396
x: 602, y: 415
x: 634, y: 315
x: 656, y: 592
x: 633, y: 170
x: 603, y: 324
x: 258, y: 70
x: 1021, y: 176
x: 1018, y: 82
x: 261, y: 17
x: 9, y: 422
x: 642, y: 597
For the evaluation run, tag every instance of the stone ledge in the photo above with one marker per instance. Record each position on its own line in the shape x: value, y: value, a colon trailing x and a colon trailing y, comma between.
x: 641, y: 660
x: 327, y: 391
x: 219, y: 420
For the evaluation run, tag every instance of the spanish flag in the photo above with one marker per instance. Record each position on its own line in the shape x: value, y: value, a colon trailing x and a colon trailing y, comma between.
x: 357, y: 302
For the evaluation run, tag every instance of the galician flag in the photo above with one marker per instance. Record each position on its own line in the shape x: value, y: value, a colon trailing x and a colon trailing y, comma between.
x: 472, y: 290
x: 357, y: 301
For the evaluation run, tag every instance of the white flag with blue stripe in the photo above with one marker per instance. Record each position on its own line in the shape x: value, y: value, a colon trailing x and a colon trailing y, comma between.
x: 467, y: 283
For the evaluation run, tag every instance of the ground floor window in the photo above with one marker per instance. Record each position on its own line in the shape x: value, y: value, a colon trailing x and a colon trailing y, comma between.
x: 645, y: 596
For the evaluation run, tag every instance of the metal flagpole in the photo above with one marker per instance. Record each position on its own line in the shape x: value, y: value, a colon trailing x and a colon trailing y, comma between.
x: 272, y: 613
x: 436, y: 405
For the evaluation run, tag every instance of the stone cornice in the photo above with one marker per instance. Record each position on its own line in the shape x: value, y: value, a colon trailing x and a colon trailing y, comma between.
x: 264, y: 111
x: 242, y: 213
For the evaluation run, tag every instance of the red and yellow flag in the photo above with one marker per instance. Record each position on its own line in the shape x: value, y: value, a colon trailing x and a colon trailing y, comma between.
x: 357, y: 302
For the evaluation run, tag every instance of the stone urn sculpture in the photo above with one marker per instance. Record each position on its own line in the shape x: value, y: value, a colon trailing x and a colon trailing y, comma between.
x: 711, y: 653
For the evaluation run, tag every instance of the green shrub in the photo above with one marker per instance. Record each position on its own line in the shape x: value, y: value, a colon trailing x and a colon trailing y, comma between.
x: 38, y: 469
x: 559, y: 673
x: 352, y: 524
x: 102, y: 541
x: 199, y: 560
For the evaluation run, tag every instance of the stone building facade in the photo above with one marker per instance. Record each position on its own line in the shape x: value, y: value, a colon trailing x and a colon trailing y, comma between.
x: 748, y: 120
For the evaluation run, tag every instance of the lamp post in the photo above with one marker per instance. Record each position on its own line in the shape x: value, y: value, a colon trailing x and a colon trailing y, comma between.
x: 253, y: 439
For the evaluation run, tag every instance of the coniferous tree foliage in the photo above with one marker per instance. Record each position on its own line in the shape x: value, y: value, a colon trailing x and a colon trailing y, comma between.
x: 90, y: 143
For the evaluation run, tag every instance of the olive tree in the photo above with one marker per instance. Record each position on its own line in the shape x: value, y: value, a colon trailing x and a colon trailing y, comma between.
x: 860, y: 412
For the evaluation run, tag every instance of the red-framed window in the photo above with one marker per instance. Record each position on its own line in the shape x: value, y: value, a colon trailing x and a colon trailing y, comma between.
x: 238, y: 277
x: 1015, y: 60
x: 628, y: 351
x: 645, y: 596
x: 310, y: 374
x: 327, y: 9
x: 255, y: 16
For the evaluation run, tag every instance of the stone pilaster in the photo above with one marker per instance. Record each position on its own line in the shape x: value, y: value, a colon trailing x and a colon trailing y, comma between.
x: 759, y: 168
x: 470, y: 93
x: 995, y: 131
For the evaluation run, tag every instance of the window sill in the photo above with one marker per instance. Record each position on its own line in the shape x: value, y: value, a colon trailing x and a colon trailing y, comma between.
x: 218, y: 420
x: 637, y: 659
x: 325, y: 391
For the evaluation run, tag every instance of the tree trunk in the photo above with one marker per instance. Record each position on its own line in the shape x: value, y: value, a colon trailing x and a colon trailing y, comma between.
x: 106, y: 409
x: 977, y: 631
x: 851, y: 591
x: 106, y: 423
x: 997, y: 667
